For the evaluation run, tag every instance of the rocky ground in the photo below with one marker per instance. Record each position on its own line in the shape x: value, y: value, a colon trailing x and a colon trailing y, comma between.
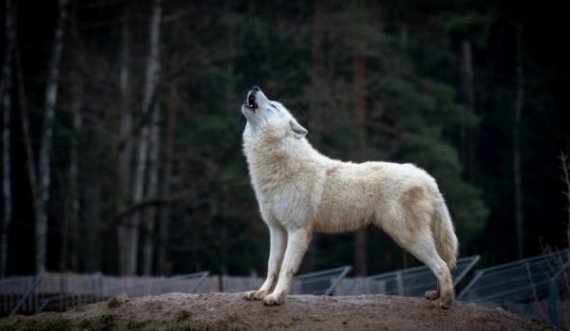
x: 223, y: 311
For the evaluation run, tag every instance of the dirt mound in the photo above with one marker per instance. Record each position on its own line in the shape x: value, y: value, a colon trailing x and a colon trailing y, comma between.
x: 222, y: 311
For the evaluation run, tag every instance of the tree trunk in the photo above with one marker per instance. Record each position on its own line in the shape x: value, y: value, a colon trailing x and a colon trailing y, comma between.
x: 153, y: 171
x: 358, y: 116
x: 229, y: 99
x: 6, y: 96
x: 468, y: 95
x: 517, y: 173
x: 318, y: 89
x: 139, y: 182
x: 163, y: 265
x: 69, y: 225
x: 317, y: 99
x: 44, y: 171
x: 77, y: 118
x: 566, y: 179
x: 74, y: 192
x: 358, y: 113
x: 91, y: 245
x: 125, y: 154
x: 230, y: 54
x: 26, y: 135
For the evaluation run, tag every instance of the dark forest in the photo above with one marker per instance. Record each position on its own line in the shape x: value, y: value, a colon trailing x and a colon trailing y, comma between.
x: 121, y: 127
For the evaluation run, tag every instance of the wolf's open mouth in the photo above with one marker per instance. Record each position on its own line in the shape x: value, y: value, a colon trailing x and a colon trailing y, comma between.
x: 251, y: 101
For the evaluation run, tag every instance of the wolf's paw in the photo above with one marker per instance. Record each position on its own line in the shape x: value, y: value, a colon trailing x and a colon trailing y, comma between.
x: 442, y: 303
x: 432, y: 295
x: 255, y: 295
x: 274, y: 299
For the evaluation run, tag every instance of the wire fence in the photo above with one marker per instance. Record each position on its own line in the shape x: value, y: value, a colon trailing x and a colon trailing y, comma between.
x: 15, y: 293
x: 53, y: 291
x: 321, y: 282
x: 188, y: 283
x: 413, y: 282
x: 535, y: 288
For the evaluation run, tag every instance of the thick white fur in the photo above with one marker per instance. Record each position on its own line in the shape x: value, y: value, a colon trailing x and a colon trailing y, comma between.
x: 301, y: 191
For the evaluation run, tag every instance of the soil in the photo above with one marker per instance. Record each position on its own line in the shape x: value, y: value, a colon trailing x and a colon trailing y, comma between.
x: 225, y: 311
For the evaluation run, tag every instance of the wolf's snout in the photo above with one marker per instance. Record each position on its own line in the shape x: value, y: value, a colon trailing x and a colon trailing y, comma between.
x: 251, y: 97
x: 250, y: 100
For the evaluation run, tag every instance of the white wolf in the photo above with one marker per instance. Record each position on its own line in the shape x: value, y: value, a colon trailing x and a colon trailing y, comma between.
x: 301, y: 191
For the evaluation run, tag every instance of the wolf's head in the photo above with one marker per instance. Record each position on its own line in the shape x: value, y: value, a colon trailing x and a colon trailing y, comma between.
x: 263, y: 114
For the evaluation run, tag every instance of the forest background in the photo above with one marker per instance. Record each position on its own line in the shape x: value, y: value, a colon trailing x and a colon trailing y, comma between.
x: 121, y: 125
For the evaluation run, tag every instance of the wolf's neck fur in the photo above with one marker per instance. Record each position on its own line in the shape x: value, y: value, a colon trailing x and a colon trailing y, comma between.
x: 274, y: 160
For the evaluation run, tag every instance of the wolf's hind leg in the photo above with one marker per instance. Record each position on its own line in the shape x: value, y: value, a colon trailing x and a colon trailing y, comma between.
x: 425, y: 251
x: 409, y: 224
x: 278, y: 240
x: 297, y: 243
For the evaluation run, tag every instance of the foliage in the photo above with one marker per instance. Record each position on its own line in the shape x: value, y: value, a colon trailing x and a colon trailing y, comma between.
x: 213, y: 51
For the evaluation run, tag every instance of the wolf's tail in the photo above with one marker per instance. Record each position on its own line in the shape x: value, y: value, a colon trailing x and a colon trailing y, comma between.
x: 444, y: 233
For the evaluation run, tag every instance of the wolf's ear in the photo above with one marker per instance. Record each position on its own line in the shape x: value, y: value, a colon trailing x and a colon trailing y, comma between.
x: 300, y: 131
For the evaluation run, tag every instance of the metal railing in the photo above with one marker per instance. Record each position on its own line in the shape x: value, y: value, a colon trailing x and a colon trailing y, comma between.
x: 16, y: 292
x: 188, y: 283
x: 530, y: 287
x: 412, y: 282
x: 321, y: 282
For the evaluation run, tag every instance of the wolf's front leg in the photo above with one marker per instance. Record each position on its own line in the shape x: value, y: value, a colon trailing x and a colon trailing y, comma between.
x: 297, y: 244
x: 278, y: 240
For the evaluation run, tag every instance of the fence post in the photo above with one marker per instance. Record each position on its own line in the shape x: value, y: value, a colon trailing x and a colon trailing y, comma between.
x: 337, y: 280
x: 201, y: 280
x: 399, y: 283
x: 553, y: 303
x: 25, y: 297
